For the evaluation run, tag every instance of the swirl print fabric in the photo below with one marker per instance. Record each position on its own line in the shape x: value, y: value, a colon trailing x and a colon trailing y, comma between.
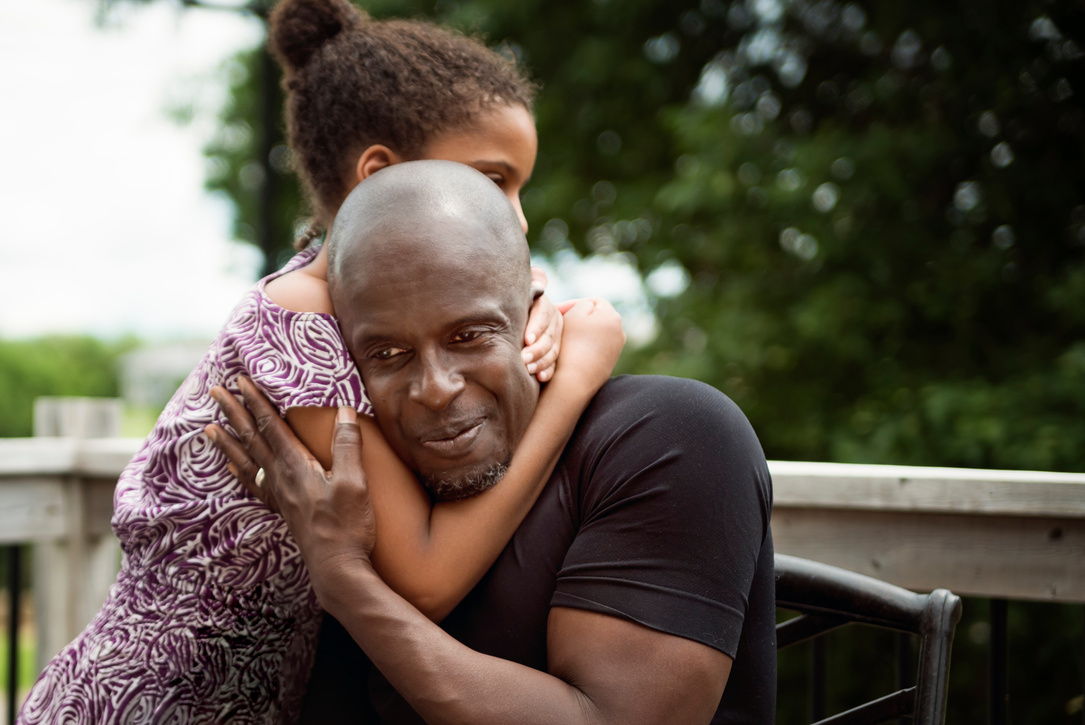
x: 212, y: 618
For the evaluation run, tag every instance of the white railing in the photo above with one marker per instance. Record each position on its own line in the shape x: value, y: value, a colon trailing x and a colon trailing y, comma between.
x: 998, y: 534
x: 1001, y: 534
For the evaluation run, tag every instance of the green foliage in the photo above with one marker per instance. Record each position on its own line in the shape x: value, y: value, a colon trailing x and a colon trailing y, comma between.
x: 881, y: 212
x: 80, y: 366
x: 881, y: 208
x: 874, y: 278
x: 233, y: 154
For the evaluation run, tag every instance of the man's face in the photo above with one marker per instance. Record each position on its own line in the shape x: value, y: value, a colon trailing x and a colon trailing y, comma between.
x: 438, y: 343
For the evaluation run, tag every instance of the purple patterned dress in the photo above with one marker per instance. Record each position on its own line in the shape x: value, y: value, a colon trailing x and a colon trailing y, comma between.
x: 212, y: 618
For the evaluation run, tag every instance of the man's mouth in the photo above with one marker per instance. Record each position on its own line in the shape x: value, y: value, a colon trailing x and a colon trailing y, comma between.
x: 453, y: 440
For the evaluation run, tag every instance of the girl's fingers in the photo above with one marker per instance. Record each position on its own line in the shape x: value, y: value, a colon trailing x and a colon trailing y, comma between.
x: 544, y: 367
x: 538, y: 281
x: 534, y: 352
x: 564, y: 307
x: 542, y: 318
x: 582, y: 306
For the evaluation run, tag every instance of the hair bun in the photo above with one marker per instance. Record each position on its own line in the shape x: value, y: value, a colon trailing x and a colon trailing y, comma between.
x: 299, y: 28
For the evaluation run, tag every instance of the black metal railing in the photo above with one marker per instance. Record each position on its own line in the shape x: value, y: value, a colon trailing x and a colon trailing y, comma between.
x: 12, y: 556
x: 986, y: 693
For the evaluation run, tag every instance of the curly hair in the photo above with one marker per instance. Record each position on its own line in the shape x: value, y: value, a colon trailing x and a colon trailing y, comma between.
x: 352, y: 81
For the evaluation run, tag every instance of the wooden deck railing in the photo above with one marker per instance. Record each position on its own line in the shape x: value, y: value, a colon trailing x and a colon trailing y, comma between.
x: 997, y: 534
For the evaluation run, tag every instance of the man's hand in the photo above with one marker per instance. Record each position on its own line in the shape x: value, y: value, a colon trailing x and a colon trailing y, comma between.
x: 328, y: 512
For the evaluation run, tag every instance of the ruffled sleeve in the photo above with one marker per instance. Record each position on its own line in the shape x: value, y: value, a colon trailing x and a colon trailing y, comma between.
x: 299, y: 359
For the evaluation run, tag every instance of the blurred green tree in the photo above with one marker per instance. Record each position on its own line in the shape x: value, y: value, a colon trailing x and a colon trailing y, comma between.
x: 880, y: 212
x: 873, y: 214
x: 55, y: 365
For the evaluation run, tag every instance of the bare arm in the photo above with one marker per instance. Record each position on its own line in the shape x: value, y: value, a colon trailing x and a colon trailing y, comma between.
x: 601, y: 669
x: 433, y: 555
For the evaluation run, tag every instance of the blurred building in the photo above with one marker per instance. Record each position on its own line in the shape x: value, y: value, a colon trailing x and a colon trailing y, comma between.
x: 149, y: 376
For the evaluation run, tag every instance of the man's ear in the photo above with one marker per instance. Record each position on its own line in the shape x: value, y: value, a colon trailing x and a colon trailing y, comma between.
x: 373, y: 159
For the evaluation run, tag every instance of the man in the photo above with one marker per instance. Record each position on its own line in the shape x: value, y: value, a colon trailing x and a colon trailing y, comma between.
x: 640, y: 585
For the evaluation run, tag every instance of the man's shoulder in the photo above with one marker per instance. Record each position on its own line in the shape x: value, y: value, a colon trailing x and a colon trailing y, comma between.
x: 638, y: 423
x: 660, y: 398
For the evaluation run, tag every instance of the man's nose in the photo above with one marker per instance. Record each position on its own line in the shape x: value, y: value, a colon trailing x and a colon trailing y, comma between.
x: 436, y: 385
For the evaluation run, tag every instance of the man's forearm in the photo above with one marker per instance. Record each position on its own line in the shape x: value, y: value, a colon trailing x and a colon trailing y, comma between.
x: 445, y: 681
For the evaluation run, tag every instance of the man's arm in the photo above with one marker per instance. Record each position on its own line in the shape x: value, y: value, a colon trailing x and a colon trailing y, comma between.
x: 602, y: 669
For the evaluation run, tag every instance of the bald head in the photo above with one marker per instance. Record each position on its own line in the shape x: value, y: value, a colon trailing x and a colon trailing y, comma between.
x: 429, y: 275
x: 440, y: 210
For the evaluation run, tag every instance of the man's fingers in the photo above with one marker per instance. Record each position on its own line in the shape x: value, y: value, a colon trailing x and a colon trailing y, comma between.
x: 270, y: 436
x: 241, y: 465
x: 249, y: 440
x: 347, y: 444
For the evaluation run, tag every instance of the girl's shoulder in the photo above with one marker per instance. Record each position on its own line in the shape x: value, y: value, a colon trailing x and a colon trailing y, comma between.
x: 300, y: 288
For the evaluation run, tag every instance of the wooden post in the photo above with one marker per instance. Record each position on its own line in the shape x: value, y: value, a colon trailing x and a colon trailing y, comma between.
x: 72, y: 576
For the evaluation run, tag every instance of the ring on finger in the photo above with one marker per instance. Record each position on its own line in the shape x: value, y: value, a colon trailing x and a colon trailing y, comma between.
x: 260, y: 476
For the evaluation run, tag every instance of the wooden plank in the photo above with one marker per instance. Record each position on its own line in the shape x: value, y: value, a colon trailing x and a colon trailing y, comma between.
x: 105, y: 457
x: 927, y: 490
x: 32, y: 510
x: 37, y: 456
x: 1022, y: 557
x: 78, y: 417
x: 98, y: 506
x: 101, y: 457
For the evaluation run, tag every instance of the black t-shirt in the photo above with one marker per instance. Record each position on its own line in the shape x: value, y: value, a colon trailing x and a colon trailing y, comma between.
x: 658, y: 512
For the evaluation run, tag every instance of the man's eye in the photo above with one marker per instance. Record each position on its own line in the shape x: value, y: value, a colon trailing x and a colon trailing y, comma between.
x: 387, y: 353
x: 467, y: 336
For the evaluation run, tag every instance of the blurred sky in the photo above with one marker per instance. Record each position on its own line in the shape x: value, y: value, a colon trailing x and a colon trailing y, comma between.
x: 106, y: 228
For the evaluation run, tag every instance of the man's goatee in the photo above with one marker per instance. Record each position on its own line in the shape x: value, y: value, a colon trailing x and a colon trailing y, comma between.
x: 467, y: 486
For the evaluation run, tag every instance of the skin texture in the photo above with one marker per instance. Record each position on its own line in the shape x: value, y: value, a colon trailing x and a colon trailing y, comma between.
x: 446, y: 381
x: 602, y: 669
x: 502, y: 144
x: 434, y: 554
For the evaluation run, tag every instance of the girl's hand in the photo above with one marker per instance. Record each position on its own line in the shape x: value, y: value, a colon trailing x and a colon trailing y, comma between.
x: 591, y: 343
x: 543, y: 334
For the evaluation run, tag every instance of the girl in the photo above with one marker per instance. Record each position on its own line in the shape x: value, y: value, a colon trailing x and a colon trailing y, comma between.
x: 212, y: 617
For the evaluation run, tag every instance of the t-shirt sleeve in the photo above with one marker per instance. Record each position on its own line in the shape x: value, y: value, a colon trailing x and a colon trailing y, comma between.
x: 298, y: 359
x: 674, y: 498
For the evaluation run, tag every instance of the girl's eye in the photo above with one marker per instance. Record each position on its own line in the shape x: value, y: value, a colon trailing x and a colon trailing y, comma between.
x: 497, y: 179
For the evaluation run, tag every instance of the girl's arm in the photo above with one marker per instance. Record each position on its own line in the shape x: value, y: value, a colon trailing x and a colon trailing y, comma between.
x: 433, y: 554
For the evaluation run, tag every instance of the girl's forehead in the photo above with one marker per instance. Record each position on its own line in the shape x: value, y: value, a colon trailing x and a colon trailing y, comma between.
x: 499, y: 133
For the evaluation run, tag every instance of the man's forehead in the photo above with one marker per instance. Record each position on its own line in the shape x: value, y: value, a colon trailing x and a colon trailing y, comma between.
x: 442, y: 297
